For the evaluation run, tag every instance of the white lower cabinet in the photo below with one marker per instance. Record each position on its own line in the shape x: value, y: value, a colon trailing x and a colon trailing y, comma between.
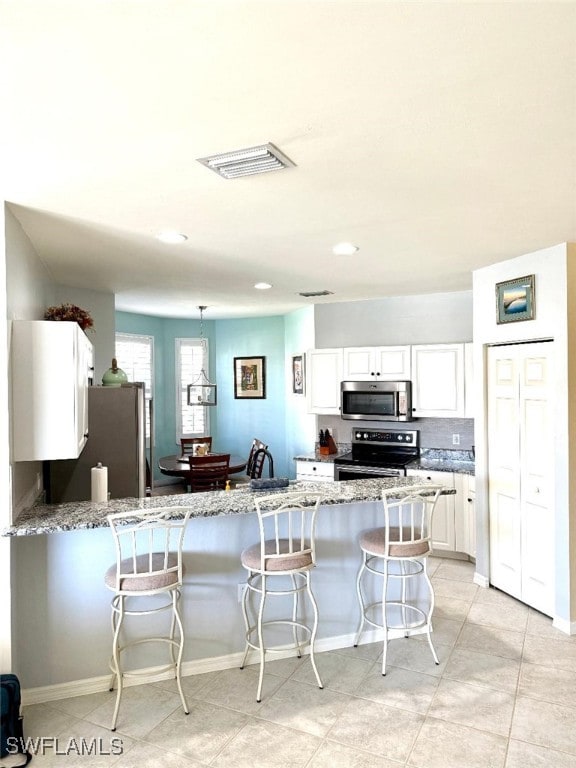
x: 465, y: 515
x: 319, y: 471
x: 443, y: 521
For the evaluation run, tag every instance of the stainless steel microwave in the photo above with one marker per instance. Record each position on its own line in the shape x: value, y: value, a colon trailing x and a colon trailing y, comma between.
x: 376, y: 400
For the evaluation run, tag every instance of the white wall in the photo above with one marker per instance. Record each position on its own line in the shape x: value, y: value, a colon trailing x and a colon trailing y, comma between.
x: 426, y: 319
x: 552, y: 268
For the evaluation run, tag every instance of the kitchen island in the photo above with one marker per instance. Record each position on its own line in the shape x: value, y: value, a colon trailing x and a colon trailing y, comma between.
x: 62, y: 608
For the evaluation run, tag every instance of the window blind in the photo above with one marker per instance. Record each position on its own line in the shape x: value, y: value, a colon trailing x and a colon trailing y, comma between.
x: 135, y: 355
x: 191, y: 358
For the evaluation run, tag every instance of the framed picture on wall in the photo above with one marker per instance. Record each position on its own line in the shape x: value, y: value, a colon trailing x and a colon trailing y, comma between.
x: 250, y: 378
x: 298, y: 374
x: 515, y: 300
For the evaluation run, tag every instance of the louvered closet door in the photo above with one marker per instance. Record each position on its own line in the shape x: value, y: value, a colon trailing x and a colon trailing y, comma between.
x: 504, y: 469
x: 536, y: 478
x: 520, y: 472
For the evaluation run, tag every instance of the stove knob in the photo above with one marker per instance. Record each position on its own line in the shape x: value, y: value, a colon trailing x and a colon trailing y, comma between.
x: 365, y: 435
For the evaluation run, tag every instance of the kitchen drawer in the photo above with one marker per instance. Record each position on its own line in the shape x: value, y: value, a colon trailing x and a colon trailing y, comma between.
x: 315, y: 470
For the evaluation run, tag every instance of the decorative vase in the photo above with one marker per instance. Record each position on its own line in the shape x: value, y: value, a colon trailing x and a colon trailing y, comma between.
x: 114, y: 376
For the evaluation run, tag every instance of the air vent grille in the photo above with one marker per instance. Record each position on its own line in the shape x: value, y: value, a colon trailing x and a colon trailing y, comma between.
x: 247, y: 162
x: 308, y: 294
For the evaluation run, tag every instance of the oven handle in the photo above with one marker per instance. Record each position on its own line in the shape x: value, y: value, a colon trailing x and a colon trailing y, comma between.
x: 374, y: 471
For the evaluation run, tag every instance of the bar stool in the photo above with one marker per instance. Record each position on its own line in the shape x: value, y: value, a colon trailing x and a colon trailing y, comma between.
x: 398, y: 551
x: 148, y: 565
x: 284, y: 557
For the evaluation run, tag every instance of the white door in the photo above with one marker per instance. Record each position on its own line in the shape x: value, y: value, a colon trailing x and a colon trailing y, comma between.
x: 520, y: 454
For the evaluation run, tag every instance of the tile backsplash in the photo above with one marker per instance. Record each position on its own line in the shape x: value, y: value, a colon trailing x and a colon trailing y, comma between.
x: 434, y: 433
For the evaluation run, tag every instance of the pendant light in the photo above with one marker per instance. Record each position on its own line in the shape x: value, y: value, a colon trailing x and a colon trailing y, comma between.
x: 201, y: 391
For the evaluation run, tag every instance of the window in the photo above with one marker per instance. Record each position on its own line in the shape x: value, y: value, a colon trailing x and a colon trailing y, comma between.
x: 135, y: 355
x: 191, y: 358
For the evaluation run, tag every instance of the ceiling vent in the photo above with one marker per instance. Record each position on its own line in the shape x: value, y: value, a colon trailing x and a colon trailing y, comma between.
x: 247, y: 162
x: 309, y: 294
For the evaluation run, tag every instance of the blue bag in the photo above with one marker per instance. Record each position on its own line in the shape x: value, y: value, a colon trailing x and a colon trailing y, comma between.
x: 11, y: 731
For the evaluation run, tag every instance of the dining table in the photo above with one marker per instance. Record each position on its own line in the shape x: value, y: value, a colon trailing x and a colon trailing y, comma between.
x: 179, y: 466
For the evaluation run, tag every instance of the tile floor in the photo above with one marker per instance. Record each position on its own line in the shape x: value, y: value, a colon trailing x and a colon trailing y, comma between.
x: 503, y: 696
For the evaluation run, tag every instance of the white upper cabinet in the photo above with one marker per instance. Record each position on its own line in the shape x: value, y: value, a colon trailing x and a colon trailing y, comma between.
x: 370, y: 363
x: 438, y: 380
x: 51, y: 369
x: 323, y: 377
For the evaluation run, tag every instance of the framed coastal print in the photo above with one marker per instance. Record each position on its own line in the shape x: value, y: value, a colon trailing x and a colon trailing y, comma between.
x: 250, y: 378
x: 515, y: 300
x: 298, y: 374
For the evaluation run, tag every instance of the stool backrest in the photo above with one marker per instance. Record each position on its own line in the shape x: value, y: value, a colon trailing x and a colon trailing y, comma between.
x: 287, y: 525
x: 408, y: 519
x: 149, y: 544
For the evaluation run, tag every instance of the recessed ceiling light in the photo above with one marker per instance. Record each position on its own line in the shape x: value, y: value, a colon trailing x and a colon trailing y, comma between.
x: 171, y: 237
x: 262, y: 286
x: 344, y: 249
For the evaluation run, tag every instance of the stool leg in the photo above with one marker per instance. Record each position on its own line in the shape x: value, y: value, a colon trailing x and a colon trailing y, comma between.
x: 116, y: 659
x: 314, y: 629
x: 360, y: 600
x: 295, y: 616
x: 384, y: 615
x: 245, y: 595
x: 261, y: 639
x: 176, y: 617
x: 404, y: 580
x: 114, y: 618
x: 431, y: 609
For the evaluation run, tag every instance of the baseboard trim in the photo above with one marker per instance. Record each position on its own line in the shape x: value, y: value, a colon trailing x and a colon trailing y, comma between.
x: 481, y: 581
x: 86, y: 686
x: 568, y: 627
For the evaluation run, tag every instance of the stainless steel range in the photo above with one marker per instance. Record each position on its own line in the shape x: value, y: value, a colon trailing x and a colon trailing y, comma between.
x: 377, y: 454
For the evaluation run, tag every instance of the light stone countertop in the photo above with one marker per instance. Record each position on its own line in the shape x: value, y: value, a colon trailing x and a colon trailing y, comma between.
x: 81, y: 515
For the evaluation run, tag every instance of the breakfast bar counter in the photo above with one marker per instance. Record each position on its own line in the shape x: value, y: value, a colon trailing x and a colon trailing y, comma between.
x: 61, y: 620
x: 82, y: 515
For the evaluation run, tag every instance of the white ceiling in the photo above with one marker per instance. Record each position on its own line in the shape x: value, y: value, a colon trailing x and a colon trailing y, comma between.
x: 438, y: 137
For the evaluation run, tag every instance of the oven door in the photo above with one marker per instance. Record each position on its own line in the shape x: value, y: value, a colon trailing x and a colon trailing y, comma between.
x: 352, y: 472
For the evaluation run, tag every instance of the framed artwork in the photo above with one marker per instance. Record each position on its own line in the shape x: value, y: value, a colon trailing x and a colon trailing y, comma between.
x: 250, y: 378
x: 298, y: 374
x: 515, y: 300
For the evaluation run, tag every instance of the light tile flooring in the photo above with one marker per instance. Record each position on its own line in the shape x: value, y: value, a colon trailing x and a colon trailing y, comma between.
x: 504, y: 695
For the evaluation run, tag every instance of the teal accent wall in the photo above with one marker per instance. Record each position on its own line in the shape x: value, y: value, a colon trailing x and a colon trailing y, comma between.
x: 165, y: 331
x: 239, y: 421
x: 280, y: 420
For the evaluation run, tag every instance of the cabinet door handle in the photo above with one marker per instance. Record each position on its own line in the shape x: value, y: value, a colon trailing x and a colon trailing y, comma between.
x: 470, y: 500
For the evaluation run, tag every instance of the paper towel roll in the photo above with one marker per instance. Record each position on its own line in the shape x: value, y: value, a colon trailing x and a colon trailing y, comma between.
x: 99, y: 478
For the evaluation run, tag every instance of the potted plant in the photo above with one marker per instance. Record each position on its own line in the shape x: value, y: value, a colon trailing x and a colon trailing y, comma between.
x: 70, y: 312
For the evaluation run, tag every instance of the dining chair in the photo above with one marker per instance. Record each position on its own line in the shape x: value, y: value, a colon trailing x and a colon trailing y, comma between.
x: 146, y: 579
x: 188, y: 445
x: 208, y: 473
x: 398, y: 551
x: 253, y: 469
